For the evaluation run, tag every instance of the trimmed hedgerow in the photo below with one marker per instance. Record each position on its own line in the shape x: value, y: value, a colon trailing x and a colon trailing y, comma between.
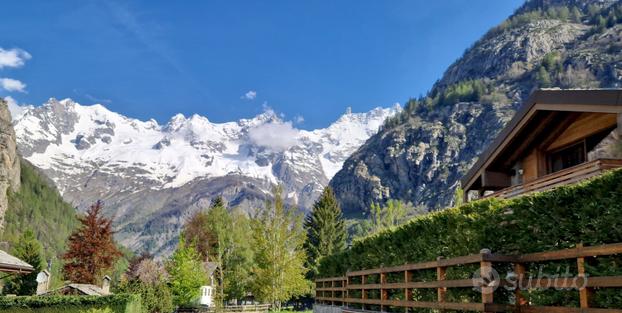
x: 588, y: 213
x: 119, y: 303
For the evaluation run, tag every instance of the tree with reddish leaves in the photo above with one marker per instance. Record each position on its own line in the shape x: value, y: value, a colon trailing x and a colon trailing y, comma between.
x: 91, y: 248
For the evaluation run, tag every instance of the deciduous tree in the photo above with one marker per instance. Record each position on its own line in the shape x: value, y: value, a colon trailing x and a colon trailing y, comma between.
x: 279, y: 253
x: 186, y: 273
x: 91, y: 248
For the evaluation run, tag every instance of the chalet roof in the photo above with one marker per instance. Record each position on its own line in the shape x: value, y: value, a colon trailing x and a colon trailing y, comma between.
x: 551, y: 100
x: 9, y: 263
x: 85, y: 289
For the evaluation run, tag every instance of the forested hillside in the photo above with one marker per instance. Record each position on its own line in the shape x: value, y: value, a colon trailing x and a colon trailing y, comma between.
x: 39, y: 207
x: 420, y: 154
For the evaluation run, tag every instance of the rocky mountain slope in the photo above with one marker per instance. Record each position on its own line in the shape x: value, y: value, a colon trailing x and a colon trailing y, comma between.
x: 151, y: 176
x: 420, y: 155
x: 9, y: 160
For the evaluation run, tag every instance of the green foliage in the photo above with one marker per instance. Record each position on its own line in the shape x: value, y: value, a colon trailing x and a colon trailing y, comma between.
x: 588, y: 213
x: 29, y: 250
x: 392, y: 214
x: 187, y: 273
x: 279, y: 272
x: 155, y: 297
x: 326, y: 230
x: 220, y: 224
x: 240, y: 259
x: 38, y: 206
x: 119, y: 303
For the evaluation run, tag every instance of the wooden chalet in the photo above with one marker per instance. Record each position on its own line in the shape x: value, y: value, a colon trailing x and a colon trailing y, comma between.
x: 558, y: 137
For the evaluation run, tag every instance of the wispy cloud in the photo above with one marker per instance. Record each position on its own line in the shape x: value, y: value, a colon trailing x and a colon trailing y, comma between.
x: 10, y: 84
x: 96, y: 99
x: 13, y: 57
x: 299, y: 119
x: 249, y: 95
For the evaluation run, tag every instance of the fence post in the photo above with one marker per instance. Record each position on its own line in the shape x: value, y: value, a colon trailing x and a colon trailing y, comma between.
x: 383, y: 292
x: 585, y: 293
x: 332, y: 292
x: 363, y: 291
x: 408, y: 293
x: 344, y: 292
x: 441, y: 292
x: 486, y: 275
x: 519, y: 270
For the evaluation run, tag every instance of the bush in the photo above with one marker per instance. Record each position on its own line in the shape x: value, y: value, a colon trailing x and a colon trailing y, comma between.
x: 120, y: 303
x: 588, y: 213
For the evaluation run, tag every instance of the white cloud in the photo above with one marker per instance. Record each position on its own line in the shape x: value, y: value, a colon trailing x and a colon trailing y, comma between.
x: 16, y: 110
x: 10, y: 84
x: 298, y: 119
x: 250, y: 95
x: 275, y: 136
x: 13, y: 57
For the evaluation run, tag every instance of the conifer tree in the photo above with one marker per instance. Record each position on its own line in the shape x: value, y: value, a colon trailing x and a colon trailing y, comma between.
x: 326, y: 230
x: 91, y: 248
x: 279, y: 272
x: 29, y: 250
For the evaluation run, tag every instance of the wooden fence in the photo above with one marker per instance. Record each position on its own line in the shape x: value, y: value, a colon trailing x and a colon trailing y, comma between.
x: 339, y: 291
x: 252, y: 308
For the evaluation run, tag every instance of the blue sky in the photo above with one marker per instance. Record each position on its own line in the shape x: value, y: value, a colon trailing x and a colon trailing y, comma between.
x: 229, y: 59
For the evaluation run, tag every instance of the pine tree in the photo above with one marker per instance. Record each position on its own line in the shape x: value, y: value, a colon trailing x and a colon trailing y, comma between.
x: 326, y: 230
x: 91, y: 248
x: 279, y: 272
x: 29, y: 250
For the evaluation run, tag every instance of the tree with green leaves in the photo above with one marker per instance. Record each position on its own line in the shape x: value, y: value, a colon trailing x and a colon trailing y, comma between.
x: 147, y: 278
x: 326, y: 230
x: 219, y: 224
x: 29, y: 250
x: 240, y: 260
x: 187, y: 273
x: 279, y: 253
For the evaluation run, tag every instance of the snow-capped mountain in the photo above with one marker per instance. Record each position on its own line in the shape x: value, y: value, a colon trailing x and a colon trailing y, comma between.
x: 153, y: 176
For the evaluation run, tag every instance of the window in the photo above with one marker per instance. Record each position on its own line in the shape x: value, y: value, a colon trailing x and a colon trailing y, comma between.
x: 567, y: 157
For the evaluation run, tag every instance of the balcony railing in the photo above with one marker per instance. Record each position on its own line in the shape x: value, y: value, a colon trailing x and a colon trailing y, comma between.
x: 564, y: 177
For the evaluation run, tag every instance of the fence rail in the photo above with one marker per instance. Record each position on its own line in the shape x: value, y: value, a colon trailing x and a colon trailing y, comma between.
x: 339, y: 291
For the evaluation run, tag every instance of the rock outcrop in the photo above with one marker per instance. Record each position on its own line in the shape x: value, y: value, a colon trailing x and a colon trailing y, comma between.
x: 9, y: 160
x: 421, y: 157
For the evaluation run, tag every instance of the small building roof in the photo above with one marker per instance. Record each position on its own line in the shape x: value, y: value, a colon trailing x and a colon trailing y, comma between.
x: 11, y: 264
x: 84, y: 289
x: 539, y: 103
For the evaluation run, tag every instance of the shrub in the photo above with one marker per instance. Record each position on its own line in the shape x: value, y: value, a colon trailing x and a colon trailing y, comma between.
x: 119, y: 303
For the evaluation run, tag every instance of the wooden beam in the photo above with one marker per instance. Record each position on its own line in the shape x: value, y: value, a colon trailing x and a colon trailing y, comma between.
x: 408, y: 292
x: 519, y: 270
x: 441, y: 275
x: 486, y: 274
x: 585, y: 293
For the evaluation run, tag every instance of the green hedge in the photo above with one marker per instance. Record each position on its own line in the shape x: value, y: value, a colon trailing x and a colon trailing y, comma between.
x: 588, y: 213
x: 119, y: 303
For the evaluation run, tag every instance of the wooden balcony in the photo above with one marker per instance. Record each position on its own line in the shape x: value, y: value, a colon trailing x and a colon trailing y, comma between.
x: 564, y: 177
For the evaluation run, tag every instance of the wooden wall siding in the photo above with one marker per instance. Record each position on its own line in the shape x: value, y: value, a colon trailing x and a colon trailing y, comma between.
x: 327, y: 293
x: 531, y: 166
x: 587, y: 124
